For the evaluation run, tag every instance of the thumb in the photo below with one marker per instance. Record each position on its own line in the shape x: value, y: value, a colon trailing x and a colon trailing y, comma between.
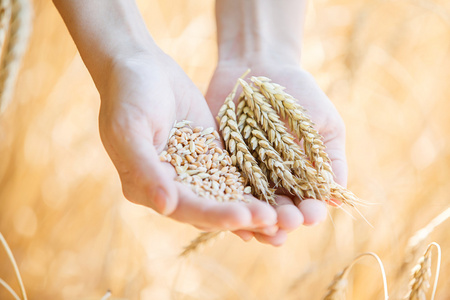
x: 145, y: 180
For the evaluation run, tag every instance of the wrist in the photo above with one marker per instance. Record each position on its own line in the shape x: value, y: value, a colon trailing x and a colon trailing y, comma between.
x: 257, y: 31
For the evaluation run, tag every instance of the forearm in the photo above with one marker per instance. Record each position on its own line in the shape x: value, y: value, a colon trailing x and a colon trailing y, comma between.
x: 104, y: 31
x: 254, y: 30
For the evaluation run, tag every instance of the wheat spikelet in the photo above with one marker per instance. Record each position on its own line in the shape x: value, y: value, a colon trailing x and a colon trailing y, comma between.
x: 199, y: 241
x: 343, y: 195
x: 299, y: 122
x: 269, y: 120
x: 19, y: 29
x: 337, y: 288
x: 240, y: 152
x: 277, y: 133
x: 278, y: 170
x: 421, y: 274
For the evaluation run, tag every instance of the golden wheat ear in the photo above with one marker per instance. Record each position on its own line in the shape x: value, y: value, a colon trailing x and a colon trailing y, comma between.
x: 15, y: 29
x: 421, y: 274
x: 299, y: 122
x: 201, y: 240
x: 239, y: 150
x: 337, y: 288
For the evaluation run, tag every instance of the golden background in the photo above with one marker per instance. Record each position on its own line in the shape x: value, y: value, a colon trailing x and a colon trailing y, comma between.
x: 385, y: 65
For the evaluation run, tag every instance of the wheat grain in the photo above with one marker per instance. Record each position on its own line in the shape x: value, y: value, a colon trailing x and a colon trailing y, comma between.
x: 204, y: 166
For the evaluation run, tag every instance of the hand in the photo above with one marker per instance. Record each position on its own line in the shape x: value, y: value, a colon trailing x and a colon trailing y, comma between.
x: 300, y: 84
x: 141, y: 99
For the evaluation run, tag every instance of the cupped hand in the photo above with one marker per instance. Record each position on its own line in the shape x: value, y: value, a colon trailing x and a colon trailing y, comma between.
x: 142, y: 97
x: 291, y: 213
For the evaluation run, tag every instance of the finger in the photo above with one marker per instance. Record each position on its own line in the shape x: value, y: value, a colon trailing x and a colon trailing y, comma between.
x: 289, y: 216
x: 276, y: 240
x: 335, y: 148
x: 313, y: 211
x: 263, y: 214
x: 144, y: 179
x: 207, y: 213
x: 245, y: 235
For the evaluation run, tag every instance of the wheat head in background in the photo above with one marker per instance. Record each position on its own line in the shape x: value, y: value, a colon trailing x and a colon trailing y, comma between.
x: 384, y: 64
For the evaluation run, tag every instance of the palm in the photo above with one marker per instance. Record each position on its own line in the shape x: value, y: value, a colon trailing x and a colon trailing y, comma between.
x: 303, y: 87
x: 139, y: 106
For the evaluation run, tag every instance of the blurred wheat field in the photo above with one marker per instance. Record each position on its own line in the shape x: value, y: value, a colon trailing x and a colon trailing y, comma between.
x: 385, y: 65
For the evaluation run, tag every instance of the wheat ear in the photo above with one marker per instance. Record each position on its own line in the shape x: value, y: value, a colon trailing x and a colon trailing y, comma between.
x: 258, y: 142
x: 421, y: 275
x: 199, y: 241
x: 277, y: 133
x: 240, y: 153
x: 299, y: 122
x: 336, y: 290
x: 19, y: 29
x: 279, y: 172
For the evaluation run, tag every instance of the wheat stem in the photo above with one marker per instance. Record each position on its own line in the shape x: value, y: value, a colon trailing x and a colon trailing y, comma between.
x: 336, y: 288
x: 200, y: 240
x: 13, y: 262
x: 9, y: 289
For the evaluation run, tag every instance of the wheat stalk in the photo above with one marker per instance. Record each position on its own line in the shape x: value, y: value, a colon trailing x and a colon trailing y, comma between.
x: 19, y: 29
x: 16, y: 270
x: 5, y: 17
x: 336, y: 290
x: 199, y: 241
x: 299, y: 122
x: 239, y: 150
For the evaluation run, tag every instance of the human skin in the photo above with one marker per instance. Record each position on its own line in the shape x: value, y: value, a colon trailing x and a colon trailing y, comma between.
x: 143, y: 91
x: 266, y: 37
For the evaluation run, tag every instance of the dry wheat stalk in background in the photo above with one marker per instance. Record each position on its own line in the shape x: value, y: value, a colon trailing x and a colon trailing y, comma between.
x: 15, y: 22
x: 337, y: 288
x: 16, y: 271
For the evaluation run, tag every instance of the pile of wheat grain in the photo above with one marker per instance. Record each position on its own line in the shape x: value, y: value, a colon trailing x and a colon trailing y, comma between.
x: 260, y: 146
x: 200, y: 163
